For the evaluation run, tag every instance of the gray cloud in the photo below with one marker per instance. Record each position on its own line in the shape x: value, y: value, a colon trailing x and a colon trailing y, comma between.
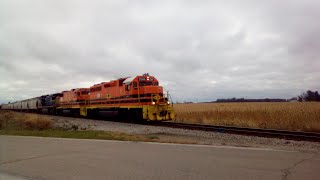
x: 199, y: 51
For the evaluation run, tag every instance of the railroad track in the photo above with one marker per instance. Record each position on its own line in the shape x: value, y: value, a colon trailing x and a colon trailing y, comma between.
x: 273, y: 133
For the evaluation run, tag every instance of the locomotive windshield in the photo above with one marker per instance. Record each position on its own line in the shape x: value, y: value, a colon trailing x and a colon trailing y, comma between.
x: 84, y: 92
x: 145, y: 83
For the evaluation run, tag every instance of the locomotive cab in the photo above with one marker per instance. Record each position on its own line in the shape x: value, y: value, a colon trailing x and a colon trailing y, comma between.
x: 74, y: 95
x: 82, y: 94
x: 146, y: 90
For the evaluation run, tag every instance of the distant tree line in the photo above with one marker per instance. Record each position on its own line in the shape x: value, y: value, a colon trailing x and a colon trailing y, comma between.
x: 251, y: 100
x: 306, y: 96
x: 309, y: 96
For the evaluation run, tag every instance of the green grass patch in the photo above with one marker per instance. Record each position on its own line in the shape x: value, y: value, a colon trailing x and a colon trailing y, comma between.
x: 151, y: 136
x: 104, y: 135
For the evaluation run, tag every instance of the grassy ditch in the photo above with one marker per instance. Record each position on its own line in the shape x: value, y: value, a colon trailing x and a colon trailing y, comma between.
x: 23, y: 124
x: 298, y: 116
x: 105, y: 135
x: 12, y: 121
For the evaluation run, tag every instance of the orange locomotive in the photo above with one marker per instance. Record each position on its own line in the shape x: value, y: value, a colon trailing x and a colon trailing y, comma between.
x: 72, y: 101
x: 136, y: 97
x: 74, y: 96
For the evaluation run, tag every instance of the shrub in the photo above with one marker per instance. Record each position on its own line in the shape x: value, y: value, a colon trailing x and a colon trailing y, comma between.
x: 19, y: 121
x: 35, y: 122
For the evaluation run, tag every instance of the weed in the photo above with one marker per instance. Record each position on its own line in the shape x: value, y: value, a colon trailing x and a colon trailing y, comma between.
x: 152, y: 137
x: 74, y: 127
x: 19, y: 121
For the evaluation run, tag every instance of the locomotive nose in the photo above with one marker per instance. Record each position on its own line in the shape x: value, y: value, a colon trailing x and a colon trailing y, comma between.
x: 152, y: 89
x: 158, y: 113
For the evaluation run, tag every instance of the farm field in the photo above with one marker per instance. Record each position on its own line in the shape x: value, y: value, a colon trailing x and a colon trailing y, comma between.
x: 297, y: 116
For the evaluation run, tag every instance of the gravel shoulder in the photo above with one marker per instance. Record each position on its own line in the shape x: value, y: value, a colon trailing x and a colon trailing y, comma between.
x: 175, y: 135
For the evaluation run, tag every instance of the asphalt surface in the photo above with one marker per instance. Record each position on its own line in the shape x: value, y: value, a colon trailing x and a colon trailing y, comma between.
x: 55, y: 158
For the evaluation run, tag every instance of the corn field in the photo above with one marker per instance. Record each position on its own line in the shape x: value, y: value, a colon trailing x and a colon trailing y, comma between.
x: 298, y: 116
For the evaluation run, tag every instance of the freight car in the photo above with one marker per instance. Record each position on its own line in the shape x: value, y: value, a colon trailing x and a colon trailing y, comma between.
x: 6, y: 106
x: 139, y: 97
x: 29, y: 105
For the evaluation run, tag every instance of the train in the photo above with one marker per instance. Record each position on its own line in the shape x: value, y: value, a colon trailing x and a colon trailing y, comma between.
x: 138, y: 97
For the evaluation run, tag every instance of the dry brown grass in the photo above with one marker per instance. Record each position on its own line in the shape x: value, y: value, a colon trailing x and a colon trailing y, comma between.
x: 21, y: 121
x: 289, y: 116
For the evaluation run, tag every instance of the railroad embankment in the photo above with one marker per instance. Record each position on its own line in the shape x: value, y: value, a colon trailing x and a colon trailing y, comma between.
x: 24, y: 124
x: 13, y: 123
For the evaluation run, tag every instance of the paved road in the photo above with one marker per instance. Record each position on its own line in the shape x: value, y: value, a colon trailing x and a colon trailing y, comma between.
x: 54, y: 158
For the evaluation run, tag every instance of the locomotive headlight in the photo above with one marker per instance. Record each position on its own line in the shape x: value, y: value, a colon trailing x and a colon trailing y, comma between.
x: 153, y: 103
x: 168, y: 102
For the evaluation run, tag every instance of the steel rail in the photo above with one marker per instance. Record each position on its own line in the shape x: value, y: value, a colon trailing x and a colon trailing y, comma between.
x: 272, y: 133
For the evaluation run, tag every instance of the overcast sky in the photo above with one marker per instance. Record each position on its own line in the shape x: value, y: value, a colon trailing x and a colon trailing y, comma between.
x: 198, y: 50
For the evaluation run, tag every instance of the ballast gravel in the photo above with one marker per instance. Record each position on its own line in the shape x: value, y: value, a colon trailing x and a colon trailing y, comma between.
x: 185, y: 136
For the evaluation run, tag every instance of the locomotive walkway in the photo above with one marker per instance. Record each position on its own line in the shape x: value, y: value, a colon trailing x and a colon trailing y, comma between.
x: 54, y: 158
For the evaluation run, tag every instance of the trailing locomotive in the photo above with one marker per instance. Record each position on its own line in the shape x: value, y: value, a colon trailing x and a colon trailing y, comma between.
x: 138, y: 97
